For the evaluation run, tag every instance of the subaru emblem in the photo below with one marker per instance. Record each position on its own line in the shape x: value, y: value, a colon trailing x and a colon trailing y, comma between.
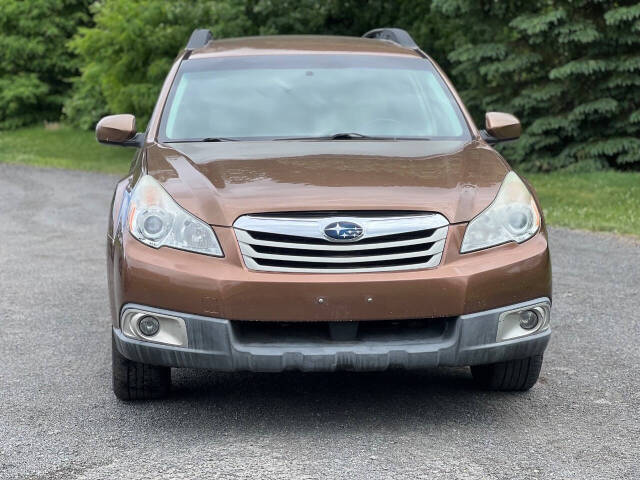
x: 343, y: 231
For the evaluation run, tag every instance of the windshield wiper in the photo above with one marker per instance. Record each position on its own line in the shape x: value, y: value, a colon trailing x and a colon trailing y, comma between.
x: 351, y: 136
x: 198, y: 140
x: 348, y: 136
x: 358, y: 136
x: 218, y: 139
x: 338, y: 136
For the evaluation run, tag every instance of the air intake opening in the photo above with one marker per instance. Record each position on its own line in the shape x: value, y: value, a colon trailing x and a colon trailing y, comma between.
x: 298, y: 333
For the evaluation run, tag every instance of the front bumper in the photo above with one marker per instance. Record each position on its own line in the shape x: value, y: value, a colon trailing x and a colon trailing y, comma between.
x: 214, y: 344
x: 181, y: 281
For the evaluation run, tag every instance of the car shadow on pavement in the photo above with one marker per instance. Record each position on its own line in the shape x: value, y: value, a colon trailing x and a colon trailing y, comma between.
x: 296, y: 400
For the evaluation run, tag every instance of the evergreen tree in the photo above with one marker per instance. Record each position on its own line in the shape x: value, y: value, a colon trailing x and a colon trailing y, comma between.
x: 569, y: 69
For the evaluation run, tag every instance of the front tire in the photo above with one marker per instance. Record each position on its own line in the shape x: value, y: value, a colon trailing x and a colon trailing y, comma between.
x: 138, y: 381
x: 514, y: 375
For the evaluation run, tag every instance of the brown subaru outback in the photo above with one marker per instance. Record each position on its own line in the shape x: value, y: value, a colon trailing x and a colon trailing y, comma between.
x: 321, y: 203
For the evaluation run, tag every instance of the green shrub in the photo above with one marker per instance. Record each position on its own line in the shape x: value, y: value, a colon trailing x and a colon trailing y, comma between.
x: 35, y: 64
x: 129, y: 51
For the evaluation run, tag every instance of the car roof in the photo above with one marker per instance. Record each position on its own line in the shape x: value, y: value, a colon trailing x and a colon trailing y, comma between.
x: 300, y: 44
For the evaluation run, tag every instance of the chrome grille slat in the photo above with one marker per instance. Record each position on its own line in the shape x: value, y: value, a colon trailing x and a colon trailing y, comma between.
x: 245, y: 237
x: 253, y: 265
x: 310, y: 227
x: 298, y: 244
x: 250, y: 252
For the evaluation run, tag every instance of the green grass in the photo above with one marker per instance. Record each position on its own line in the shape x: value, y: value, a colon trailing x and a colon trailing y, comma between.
x: 62, y: 148
x: 601, y: 201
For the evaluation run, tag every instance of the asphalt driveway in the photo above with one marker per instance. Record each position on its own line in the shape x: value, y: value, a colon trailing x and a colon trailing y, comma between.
x: 60, y: 420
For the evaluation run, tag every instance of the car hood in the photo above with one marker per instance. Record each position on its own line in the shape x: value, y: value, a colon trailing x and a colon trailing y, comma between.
x: 218, y: 182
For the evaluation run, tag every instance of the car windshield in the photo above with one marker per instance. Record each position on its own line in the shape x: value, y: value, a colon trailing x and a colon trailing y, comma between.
x: 310, y: 96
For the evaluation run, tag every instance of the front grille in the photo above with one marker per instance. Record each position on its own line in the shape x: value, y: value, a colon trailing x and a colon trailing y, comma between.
x: 299, y: 244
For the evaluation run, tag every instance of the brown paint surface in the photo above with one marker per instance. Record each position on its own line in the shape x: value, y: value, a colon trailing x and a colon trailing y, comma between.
x: 463, y: 283
x: 503, y: 125
x: 116, y: 128
x: 297, y: 44
x: 218, y: 182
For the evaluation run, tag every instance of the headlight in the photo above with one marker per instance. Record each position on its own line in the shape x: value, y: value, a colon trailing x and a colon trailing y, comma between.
x: 512, y: 217
x: 158, y: 221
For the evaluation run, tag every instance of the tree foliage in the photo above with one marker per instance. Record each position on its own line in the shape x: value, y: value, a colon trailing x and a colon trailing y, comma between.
x: 569, y: 69
x: 129, y: 51
x: 35, y: 64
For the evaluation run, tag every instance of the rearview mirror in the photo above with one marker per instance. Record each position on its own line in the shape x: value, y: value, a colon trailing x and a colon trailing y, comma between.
x: 119, y: 130
x: 500, y: 127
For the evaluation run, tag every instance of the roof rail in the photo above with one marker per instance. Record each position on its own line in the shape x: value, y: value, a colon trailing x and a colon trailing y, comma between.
x: 397, y: 35
x: 199, y: 38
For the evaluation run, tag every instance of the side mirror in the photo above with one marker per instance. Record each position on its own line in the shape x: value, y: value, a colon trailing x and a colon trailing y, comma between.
x: 500, y: 127
x: 119, y: 130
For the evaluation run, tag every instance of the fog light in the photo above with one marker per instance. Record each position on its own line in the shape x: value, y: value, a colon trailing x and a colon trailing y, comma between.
x: 529, y: 319
x: 149, y: 325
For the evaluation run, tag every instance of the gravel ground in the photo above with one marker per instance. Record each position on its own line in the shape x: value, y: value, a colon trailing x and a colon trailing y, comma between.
x: 60, y: 419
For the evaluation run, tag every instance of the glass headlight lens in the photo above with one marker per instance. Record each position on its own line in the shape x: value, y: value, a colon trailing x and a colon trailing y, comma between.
x: 512, y: 217
x: 158, y: 221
